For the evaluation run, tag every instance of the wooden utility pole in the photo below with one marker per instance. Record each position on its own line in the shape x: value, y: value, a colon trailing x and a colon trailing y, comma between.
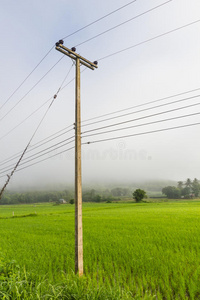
x: 78, y: 175
x: 78, y: 179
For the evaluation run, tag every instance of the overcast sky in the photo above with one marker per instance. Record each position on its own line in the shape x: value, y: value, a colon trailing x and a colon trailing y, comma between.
x: 155, y: 66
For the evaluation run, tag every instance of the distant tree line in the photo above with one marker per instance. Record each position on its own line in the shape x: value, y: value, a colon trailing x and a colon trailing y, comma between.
x: 187, y: 190
x: 106, y: 195
x: 90, y: 195
x: 35, y: 197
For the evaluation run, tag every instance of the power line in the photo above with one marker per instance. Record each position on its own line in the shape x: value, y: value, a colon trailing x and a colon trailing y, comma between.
x: 61, y: 87
x: 141, y: 133
x: 43, y: 160
x: 144, y: 117
x: 55, y: 96
x: 143, y: 104
x: 53, y: 47
x: 21, y: 157
x: 164, y: 120
x: 29, y: 158
x: 149, y: 40
x: 145, y: 109
x: 26, y: 78
x: 104, y: 115
x: 32, y: 113
x: 3, y: 136
x: 13, y: 157
x: 123, y: 23
x: 144, y: 124
x: 63, y: 39
x: 109, y: 139
x: 98, y: 116
x: 114, y: 11
x: 102, y: 57
x: 33, y: 87
x: 48, y: 138
x: 52, y: 140
x: 105, y: 132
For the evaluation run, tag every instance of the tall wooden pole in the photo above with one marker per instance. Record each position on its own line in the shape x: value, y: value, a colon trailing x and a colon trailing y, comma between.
x: 78, y: 179
x: 78, y: 175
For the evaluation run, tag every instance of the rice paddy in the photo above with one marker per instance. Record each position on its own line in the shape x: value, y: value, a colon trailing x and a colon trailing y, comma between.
x: 131, y: 251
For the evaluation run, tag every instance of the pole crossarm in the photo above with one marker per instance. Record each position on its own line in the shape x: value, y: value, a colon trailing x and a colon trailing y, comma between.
x: 74, y: 55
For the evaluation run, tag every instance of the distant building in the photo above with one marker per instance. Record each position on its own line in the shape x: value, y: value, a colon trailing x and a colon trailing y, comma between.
x: 62, y: 201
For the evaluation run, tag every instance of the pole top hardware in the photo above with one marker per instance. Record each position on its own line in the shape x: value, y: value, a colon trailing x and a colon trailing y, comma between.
x: 72, y: 54
x: 60, y: 42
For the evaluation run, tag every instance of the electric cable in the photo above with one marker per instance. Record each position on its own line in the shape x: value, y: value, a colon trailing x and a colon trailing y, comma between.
x: 114, y: 11
x: 43, y: 160
x: 139, y: 105
x: 162, y: 35
x: 33, y: 157
x: 123, y: 23
x: 14, y: 156
x: 53, y: 48
x: 26, y: 78
x: 33, y: 87
x: 56, y: 133
x: 109, y: 139
x: 141, y: 133
x: 5, y: 161
x: 149, y: 40
x: 145, y: 109
x: 105, y: 132
x: 144, y: 124
x: 35, y: 146
x: 11, y: 158
x: 109, y: 54
x: 64, y: 86
x: 49, y: 147
x: 21, y: 157
x: 15, y: 127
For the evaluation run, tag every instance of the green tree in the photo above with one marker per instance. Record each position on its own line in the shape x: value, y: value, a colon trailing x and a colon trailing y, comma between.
x: 186, y: 192
x: 188, y: 183
x: 97, y: 198
x: 171, y: 192
x: 180, y: 185
x: 139, y: 195
x: 196, y: 187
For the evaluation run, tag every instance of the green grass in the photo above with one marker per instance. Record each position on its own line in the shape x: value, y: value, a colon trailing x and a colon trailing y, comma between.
x: 131, y: 251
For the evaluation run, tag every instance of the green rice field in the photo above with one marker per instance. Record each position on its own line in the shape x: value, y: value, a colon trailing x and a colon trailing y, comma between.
x: 131, y: 251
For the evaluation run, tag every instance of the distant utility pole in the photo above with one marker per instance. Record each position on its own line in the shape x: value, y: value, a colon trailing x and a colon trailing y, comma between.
x: 78, y: 177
